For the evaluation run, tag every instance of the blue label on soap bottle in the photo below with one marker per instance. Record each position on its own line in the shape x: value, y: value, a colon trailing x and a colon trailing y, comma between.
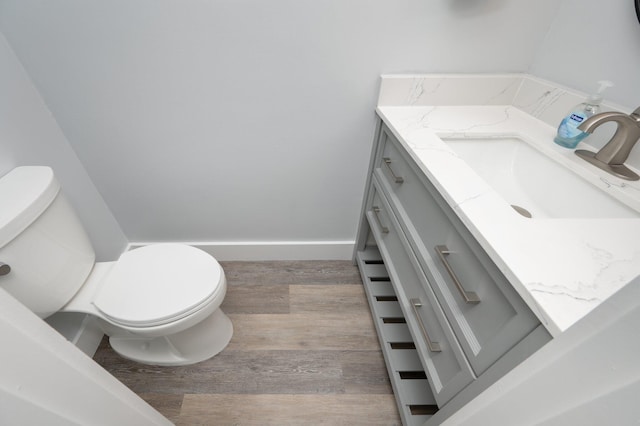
x: 576, y: 117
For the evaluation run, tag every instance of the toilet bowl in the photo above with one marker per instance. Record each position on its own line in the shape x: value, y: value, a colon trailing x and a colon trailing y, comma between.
x: 159, y: 304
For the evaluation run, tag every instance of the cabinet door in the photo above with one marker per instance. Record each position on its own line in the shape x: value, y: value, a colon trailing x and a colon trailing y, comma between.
x: 442, y: 358
x: 484, y: 310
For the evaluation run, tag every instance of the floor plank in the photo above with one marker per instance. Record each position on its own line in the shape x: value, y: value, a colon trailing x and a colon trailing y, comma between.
x: 364, y: 372
x: 292, y: 272
x: 310, y: 331
x: 328, y: 298
x: 256, y: 299
x: 242, y: 372
x: 264, y: 410
x: 169, y: 405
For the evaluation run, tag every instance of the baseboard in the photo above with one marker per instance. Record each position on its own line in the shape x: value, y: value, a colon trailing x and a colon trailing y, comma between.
x: 272, y: 250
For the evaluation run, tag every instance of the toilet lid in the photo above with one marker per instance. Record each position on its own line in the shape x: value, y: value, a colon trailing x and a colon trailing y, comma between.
x: 157, y: 284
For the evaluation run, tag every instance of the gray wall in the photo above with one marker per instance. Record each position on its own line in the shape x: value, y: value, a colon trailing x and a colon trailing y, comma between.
x: 593, y: 40
x: 245, y: 120
x: 29, y: 135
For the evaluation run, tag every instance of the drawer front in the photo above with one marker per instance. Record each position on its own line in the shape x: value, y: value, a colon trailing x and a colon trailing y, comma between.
x: 486, y: 313
x: 441, y: 356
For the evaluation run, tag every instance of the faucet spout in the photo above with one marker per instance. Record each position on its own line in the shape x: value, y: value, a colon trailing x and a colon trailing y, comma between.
x: 612, y: 156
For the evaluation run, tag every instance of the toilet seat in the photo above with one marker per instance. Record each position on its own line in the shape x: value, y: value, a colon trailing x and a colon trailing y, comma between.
x: 158, y: 284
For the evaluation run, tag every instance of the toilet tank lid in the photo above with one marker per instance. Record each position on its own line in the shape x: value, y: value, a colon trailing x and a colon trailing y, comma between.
x: 25, y: 192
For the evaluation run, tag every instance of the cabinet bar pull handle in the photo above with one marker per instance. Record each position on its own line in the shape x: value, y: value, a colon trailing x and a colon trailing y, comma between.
x: 384, y: 229
x: 468, y: 296
x: 387, y: 161
x: 433, y: 346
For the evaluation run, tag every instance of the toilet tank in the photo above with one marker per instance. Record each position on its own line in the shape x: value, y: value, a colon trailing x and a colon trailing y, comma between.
x: 42, y: 241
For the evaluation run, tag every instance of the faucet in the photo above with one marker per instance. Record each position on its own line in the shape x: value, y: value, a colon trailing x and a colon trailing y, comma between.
x: 612, y: 156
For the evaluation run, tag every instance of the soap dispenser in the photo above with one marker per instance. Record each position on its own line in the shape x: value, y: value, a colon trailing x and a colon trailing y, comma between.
x: 568, y: 133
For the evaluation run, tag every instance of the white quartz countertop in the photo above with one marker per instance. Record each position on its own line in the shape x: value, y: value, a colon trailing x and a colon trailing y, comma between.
x: 562, y: 268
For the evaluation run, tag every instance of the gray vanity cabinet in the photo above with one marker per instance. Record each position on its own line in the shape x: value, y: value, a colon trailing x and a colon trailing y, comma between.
x: 468, y: 324
x: 489, y: 317
x: 440, y: 353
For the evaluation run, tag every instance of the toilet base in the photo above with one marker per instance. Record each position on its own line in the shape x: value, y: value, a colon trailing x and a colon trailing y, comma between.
x: 195, y: 344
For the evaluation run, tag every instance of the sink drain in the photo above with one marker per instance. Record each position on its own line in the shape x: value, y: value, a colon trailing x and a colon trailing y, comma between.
x: 524, y: 212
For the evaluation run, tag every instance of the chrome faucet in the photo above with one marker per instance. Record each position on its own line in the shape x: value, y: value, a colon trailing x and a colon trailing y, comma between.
x: 612, y: 156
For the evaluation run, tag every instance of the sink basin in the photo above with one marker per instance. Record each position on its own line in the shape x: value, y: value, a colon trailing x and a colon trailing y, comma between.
x: 533, y: 183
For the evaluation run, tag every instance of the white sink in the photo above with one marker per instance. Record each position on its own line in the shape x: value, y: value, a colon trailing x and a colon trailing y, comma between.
x: 530, y: 180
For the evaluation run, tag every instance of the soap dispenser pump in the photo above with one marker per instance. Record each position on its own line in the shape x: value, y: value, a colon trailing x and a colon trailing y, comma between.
x: 568, y: 133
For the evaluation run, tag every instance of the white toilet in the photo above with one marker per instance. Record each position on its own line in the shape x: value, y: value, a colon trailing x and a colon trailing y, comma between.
x: 159, y: 304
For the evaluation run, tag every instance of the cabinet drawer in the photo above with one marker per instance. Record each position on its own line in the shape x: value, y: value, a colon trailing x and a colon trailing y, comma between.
x: 484, y: 310
x: 441, y: 356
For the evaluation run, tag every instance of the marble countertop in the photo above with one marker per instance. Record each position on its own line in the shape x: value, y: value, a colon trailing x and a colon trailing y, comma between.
x: 562, y: 268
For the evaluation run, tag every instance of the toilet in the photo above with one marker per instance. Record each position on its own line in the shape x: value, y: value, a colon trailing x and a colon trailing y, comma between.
x: 159, y: 304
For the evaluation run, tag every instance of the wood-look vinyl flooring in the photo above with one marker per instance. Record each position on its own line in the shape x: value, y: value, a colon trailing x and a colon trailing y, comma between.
x: 304, y: 352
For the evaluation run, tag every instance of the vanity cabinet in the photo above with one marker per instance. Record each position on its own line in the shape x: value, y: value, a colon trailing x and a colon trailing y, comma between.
x: 442, y: 357
x: 468, y: 325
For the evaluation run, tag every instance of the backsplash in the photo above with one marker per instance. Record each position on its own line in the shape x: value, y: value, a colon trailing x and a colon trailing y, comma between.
x: 448, y: 89
x: 544, y: 100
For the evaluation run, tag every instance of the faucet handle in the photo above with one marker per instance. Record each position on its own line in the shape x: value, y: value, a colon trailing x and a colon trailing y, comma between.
x: 636, y: 114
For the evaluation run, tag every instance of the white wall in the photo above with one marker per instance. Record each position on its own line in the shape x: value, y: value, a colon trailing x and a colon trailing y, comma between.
x: 593, y: 40
x: 245, y: 120
x: 29, y: 135
x: 587, y: 376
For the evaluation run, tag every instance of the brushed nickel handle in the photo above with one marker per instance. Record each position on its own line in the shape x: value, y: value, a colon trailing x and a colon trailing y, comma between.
x: 433, y: 346
x: 4, y: 269
x: 384, y: 229
x: 468, y: 296
x: 397, y: 179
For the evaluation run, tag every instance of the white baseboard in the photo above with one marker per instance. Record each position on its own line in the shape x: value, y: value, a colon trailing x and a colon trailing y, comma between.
x: 272, y: 250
